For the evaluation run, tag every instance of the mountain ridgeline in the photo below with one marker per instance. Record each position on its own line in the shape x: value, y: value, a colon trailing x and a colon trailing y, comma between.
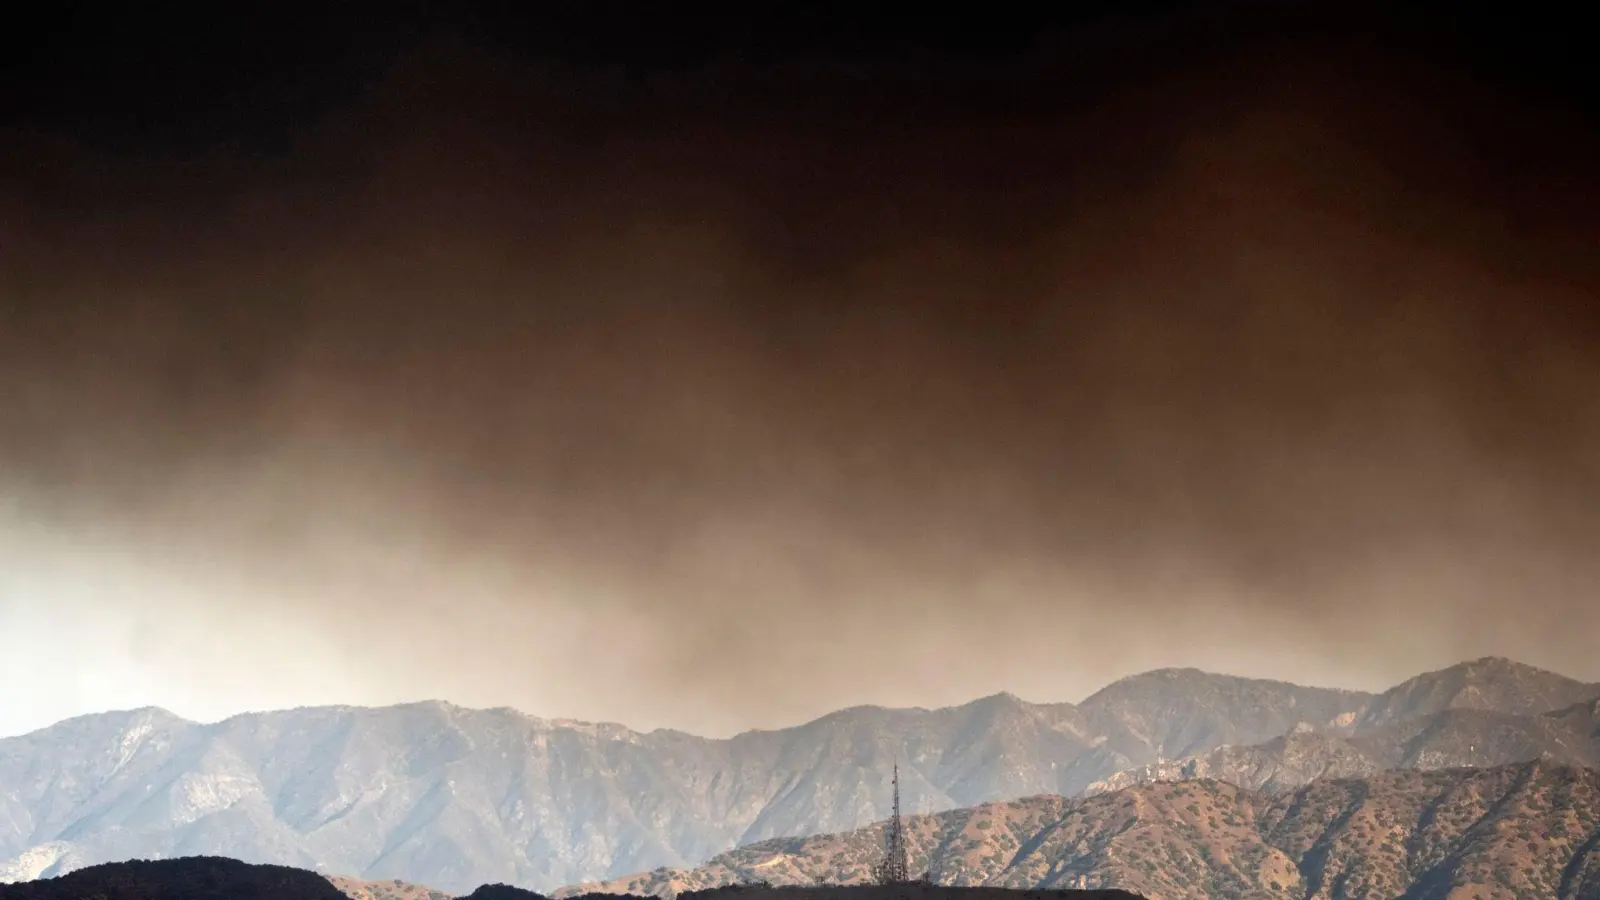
x: 1527, y: 831
x: 456, y: 798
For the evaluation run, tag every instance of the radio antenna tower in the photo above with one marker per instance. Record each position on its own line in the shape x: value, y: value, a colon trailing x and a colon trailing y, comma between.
x: 892, y: 869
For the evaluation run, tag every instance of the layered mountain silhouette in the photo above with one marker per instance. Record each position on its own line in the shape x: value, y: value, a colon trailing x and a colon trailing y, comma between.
x: 1527, y: 830
x: 455, y: 798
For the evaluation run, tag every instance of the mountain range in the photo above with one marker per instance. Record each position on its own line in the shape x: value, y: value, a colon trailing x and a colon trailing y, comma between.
x: 454, y: 798
x: 1525, y: 831
x: 1451, y: 738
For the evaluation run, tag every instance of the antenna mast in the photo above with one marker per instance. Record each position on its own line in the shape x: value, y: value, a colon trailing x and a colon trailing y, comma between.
x: 892, y: 869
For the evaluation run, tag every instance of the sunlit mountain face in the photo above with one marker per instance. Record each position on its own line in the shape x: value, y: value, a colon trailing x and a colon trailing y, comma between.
x: 451, y: 798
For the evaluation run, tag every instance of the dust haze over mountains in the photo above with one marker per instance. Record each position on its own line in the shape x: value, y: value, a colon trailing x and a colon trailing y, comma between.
x: 722, y: 396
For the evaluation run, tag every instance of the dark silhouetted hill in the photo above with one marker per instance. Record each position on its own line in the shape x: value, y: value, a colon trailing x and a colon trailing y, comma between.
x: 216, y: 878
x: 502, y: 892
x: 190, y: 878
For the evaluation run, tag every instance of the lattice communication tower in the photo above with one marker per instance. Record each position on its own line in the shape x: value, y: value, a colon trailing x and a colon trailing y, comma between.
x: 892, y: 869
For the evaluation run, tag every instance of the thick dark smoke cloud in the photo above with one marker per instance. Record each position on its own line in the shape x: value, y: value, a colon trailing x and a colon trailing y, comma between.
x: 725, y: 398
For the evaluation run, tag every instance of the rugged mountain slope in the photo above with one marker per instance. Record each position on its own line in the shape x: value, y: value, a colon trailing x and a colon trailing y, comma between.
x: 394, y: 889
x: 1451, y: 738
x: 915, y: 891
x: 454, y: 798
x: 920, y: 891
x: 1283, y: 763
x: 1529, y: 830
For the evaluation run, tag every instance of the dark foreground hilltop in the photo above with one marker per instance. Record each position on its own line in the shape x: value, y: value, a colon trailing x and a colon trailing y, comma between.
x: 217, y: 878
x: 190, y: 878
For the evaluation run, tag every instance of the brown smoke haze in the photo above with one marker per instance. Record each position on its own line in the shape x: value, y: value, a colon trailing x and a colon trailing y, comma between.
x: 724, y: 400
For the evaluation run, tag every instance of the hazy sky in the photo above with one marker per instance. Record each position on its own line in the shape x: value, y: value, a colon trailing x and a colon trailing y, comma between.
x: 725, y: 397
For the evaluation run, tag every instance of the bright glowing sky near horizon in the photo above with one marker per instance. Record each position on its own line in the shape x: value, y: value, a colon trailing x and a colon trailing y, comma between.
x: 723, y: 390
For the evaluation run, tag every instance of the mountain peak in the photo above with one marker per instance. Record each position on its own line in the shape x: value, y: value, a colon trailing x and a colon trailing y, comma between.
x: 1167, y: 673
x: 1188, y: 679
x: 1500, y: 664
x: 1003, y: 698
x: 1488, y: 667
x: 1170, y: 713
x: 119, y: 719
x: 434, y: 704
x: 1489, y: 682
